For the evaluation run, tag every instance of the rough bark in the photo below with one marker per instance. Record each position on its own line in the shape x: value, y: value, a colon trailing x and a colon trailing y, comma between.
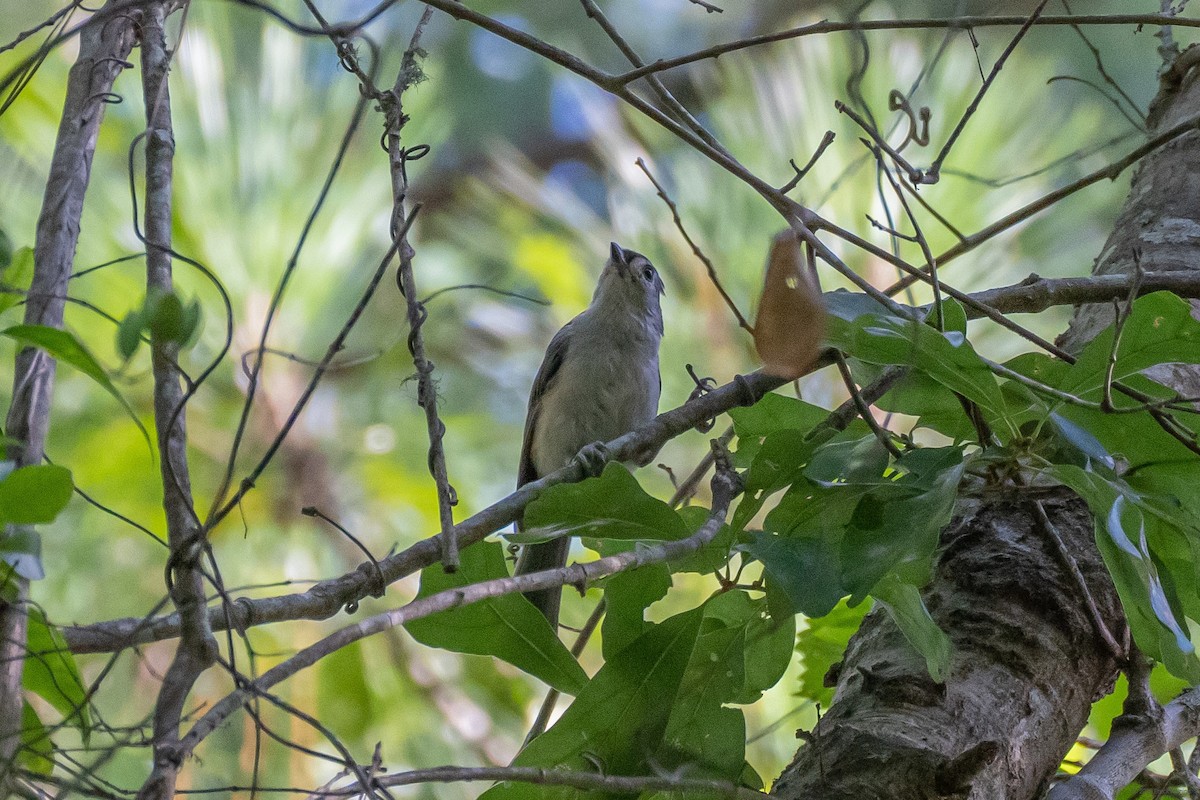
x: 1027, y: 666
x: 1028, y: 662
x: 102, y: 52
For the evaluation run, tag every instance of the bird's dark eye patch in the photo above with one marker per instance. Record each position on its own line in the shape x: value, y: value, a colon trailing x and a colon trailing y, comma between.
x: 648, y: 273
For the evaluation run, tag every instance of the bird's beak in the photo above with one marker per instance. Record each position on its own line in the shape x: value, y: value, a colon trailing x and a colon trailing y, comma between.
x: 617, y: 254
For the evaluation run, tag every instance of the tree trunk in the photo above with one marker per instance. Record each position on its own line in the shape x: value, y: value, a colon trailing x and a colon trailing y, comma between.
x: 1028, y: 657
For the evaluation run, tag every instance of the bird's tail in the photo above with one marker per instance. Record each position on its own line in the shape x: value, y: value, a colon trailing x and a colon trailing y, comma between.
x: 543, y: 556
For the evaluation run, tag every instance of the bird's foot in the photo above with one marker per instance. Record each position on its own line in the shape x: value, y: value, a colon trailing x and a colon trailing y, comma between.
x: 592, y: 458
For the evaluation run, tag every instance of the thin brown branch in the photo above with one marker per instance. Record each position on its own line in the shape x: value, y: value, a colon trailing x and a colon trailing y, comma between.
x: 932, y: 174
x: 956, y: 23
x: 1111, y: 172
x: 398, y: 158
x: 704, y: 259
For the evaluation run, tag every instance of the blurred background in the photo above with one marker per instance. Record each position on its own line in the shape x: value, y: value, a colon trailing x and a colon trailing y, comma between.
x: 531, y: 172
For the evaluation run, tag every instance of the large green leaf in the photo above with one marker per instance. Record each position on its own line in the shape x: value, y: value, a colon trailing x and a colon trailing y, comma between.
x: 1150, y: 587
x: 772, y: 414
x: 50, y: 673
x: 821, y: 643
x: 34, y: 495
x: 948, y: 357
x: 506, y: 627
x: 68, y: 350
x: 616, y: 724
x: 895, y: 528
x: 627, y: 595
x: 822, y: 542
x: 903, y: 602
x: 612, y: 506
x: 37, y: 749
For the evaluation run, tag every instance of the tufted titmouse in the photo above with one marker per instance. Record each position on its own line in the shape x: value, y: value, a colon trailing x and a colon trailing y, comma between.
x: 598, y: 380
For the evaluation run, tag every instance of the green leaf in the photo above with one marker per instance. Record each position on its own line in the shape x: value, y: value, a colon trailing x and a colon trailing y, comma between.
x: 506, y: 627
x: 903, y: 602
x: 16, y: 278
x: 805, y: 568
x: 1159, y: 330
x: 1082, y: 440
x: 1126, y: 523
x: 66, y: 349
x: 130, y: 333
x: 36, y: 753
x: 51, y: 673
x: 821, y: 644
x: 34, y: 495
x: 896, y: 527
x: 627, y: 595
x: 618, y: 720
x: 948, y: 358
x: 612, y: 506
x: 933, y: 404
x: 858, y: 461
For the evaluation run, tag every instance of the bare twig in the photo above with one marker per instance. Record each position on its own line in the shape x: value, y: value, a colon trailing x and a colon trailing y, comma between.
x: 1105, y: 635
x: 704, y: 259
x: 931, y: 176
x: 826, y: 140
x: 398, y: 158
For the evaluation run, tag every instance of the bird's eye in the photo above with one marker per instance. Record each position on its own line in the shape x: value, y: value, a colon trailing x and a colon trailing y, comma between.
x: 648, y: 273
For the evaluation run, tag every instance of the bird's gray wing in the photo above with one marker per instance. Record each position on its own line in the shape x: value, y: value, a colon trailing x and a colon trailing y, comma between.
x: 556, y: 351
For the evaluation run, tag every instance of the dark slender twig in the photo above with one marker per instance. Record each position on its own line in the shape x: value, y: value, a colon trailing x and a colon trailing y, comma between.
x: 313, y: 511
x: 335, y: 347
x: 656, y: 85
x: 826, y: 140
x: 864, y: 410
x: 704, y: 259
x: 398, y: 158
x: 483, y: 286
x: 1102, y: 632
x: 277, y: 297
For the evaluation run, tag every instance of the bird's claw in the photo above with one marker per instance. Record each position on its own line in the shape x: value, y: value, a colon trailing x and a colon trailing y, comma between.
x: 592, y: 458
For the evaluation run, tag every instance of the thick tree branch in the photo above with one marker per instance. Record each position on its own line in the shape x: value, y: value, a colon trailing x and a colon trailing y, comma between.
x: 1135, y: 741
x: 328, y: 597
x: 102, y: 56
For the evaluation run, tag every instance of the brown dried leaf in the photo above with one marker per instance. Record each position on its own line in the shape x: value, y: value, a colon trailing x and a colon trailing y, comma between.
x: 790, y: 327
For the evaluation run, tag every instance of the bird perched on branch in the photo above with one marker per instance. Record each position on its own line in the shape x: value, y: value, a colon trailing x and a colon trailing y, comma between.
x: 599, y: 380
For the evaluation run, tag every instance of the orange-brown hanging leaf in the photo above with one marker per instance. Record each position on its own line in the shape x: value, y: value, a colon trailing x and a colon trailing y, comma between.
x: 790, y: 327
